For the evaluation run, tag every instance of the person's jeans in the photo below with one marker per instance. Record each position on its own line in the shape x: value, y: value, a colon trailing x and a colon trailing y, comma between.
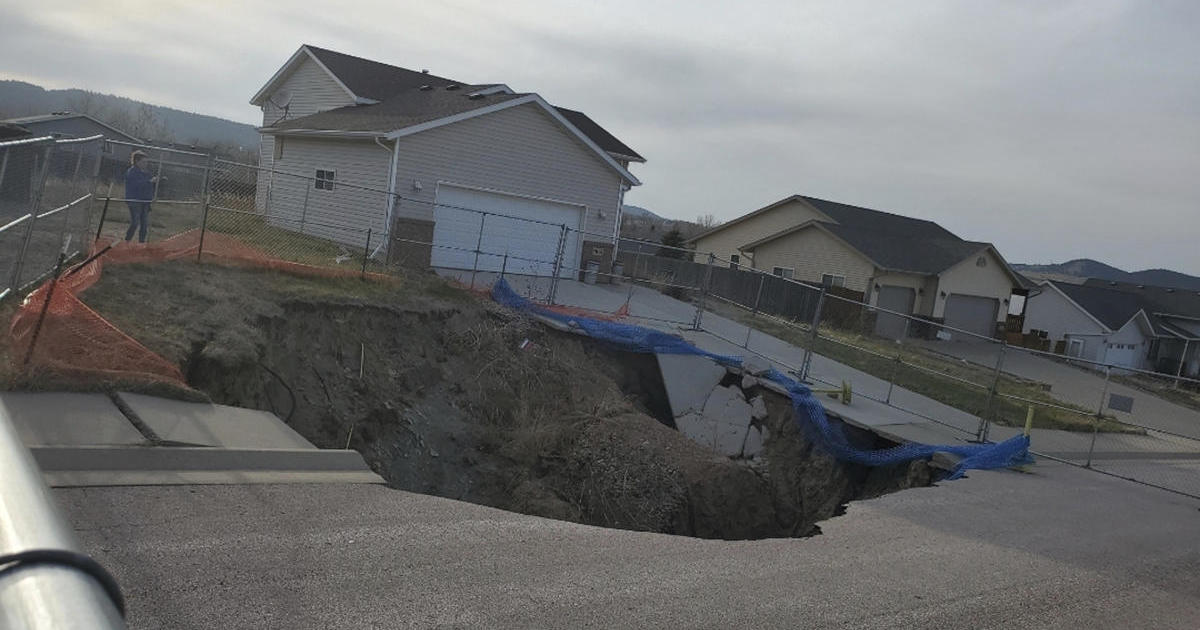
x: 139, y: 219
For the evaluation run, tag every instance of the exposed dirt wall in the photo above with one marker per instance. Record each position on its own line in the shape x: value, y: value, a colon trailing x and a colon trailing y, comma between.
x: 447, y: 394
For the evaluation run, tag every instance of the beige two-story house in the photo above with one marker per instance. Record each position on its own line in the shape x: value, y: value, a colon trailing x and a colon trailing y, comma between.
x: 898, y: 263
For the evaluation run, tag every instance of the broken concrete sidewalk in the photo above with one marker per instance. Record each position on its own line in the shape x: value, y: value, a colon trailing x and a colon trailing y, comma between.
x: 712, y: 415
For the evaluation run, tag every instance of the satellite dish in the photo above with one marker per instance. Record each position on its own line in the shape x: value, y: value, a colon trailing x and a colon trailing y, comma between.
x: 282, y: 98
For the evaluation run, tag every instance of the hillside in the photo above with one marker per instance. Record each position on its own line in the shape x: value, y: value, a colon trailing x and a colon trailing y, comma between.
x: 641, y: 213
x: 1088, y: 268
x: 18, y: 98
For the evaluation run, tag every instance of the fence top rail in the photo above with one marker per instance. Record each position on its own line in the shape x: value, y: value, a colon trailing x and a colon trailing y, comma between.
x: 62, y: 141
x: 1120, y: 368
x: 15, y: 222
x: 24, y: 141
x: 63, y: 207
x: 150, y: 147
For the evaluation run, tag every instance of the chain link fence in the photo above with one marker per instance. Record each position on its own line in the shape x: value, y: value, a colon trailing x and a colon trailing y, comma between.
x: 46, y: 194
x: 945, y: 381
x: 1132, y: 423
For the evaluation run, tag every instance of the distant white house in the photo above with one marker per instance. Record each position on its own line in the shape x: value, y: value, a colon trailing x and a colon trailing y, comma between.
x: 1097, y: 324
x: 447, y: 150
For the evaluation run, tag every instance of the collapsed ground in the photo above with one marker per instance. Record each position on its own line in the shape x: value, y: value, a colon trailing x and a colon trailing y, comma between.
x: 446, y: 393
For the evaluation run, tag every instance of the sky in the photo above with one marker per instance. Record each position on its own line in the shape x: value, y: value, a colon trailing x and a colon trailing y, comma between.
x: 1055, y: 130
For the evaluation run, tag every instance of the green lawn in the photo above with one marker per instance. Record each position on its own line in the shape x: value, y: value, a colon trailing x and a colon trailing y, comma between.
x: 935, y: 380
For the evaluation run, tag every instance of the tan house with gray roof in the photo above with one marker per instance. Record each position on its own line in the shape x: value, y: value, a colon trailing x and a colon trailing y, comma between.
x: 899, y: 263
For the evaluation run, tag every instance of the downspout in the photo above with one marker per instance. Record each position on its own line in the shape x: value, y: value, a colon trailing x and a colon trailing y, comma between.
x: 621, y: 188
x: 391, y: 188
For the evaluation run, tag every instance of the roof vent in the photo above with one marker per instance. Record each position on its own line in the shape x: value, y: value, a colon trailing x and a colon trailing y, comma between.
x: 1141, y: 286
x: 453, y: 86
x: 424, y: 71
x: 475, y: 97
x: 1170, y: 290
x: 425, y: 88
x: 62, y: 113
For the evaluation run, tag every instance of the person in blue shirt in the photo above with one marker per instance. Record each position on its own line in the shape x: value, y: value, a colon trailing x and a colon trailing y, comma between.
x: 139, y: 192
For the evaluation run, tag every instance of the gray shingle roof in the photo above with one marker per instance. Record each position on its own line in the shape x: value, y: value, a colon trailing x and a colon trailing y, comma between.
x: 372, y: 79
x: 906, y: 250
x: 893, y: 241
x: 598, y: 134
x: 1157, y: 299
x: 1111, y: 307
x: 408, y: 108
x: 402, y: 104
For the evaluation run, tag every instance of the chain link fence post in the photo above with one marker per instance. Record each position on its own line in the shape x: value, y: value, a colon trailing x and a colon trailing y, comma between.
x: 896, y: 366
x: 1099, y: 415
x: 815, y: 325
x: 559, y: 255
x: 205, y: 200
x: 985, y: 419
x: 478, y: 245
x: 367, y: 256
x: 697, y: 320
x: 762, y: 279
x: 35, y: 203
x: 304, y: 207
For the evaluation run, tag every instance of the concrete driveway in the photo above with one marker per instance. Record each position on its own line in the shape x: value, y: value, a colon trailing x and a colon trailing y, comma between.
x: 1078, y: 385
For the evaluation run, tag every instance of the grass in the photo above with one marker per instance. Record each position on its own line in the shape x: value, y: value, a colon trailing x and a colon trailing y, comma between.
x: 936, y: 378
x: 291, y: 244
x: 1164, y: 387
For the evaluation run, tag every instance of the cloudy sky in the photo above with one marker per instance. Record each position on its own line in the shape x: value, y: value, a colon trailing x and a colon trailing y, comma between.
x: 1056, y: 130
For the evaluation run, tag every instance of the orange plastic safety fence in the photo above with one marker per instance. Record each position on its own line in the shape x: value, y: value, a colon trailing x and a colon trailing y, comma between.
x: 75, y: 340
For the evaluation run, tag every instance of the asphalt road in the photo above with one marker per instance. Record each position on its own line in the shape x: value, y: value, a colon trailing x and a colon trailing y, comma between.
x: 1058, y: 548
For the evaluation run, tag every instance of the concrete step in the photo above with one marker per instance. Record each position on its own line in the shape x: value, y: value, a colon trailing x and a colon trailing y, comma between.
x: 80, y: 466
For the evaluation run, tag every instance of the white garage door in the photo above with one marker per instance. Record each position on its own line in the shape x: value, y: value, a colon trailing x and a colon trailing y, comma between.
x: 972, y: 313
x: 527, y: 230
x: 1122, y: 354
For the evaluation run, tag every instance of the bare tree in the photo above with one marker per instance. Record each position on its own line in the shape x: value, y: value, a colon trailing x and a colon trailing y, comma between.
x: 85, y: 102
x: 707, y: 221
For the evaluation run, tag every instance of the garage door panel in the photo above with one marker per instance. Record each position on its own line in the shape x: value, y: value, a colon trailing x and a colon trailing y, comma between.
x: 899, y: 300
x: 527, y: 230
x: 972, y: 313
x: 530, y: 247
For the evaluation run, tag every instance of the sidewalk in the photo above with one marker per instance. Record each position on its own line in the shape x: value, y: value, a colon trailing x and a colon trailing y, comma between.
x: 1155, y: 457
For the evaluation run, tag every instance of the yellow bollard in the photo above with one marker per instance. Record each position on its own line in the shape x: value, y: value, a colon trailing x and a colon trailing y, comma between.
x: 1028, y: 420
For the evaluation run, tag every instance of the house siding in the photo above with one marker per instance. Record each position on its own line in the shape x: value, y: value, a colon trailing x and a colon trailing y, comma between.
x: 966, y: 278
x: 1133, y: 333
x: 726, y: 241
x: 1060, y: 318
x: 812, y: 253
x: 343, y: 214
x: 520, y: 150
x: 313, y: 90
x: 925, y: 288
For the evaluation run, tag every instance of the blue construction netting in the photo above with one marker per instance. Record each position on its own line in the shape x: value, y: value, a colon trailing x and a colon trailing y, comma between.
x: 809, y: 412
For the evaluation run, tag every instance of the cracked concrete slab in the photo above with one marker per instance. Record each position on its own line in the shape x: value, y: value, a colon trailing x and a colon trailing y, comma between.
x: 69, y: 419
x: 204, y: 424
x: 689, y: 380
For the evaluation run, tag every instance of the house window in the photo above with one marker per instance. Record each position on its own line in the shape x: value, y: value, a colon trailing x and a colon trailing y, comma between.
x: 830, y: 280
x: 783, y: 272
x: 324, y: 180
x: 734, y: 260
x: 981, y: 262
